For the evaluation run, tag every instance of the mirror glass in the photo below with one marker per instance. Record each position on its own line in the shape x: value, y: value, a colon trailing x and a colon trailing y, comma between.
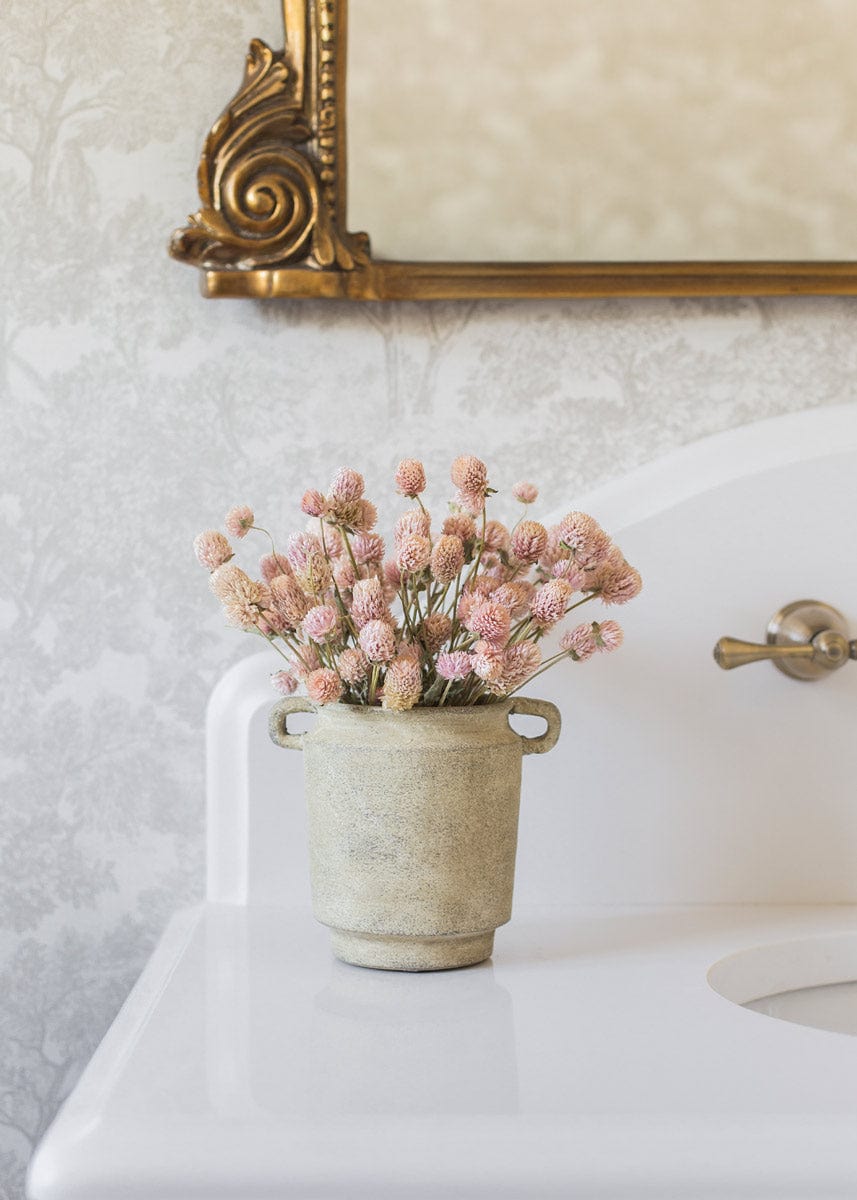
x: 603, y: 130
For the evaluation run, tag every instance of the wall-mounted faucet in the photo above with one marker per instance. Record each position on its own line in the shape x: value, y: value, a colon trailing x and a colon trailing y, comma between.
x: 806, y: 640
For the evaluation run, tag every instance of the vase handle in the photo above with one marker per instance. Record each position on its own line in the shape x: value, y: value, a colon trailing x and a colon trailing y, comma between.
x: 278, y: 722
x: 538, y: 708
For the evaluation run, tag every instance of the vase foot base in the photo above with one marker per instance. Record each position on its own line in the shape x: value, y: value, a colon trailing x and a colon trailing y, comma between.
x: 389, y: 953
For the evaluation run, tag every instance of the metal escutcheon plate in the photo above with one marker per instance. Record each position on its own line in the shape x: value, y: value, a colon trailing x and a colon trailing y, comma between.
x: 796, y: 625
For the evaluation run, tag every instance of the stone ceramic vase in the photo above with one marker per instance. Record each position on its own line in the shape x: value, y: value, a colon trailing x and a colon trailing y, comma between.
x: 413, y: 826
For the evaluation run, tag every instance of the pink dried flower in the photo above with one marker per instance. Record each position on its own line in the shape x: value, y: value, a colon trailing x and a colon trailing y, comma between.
x: 550, y: 602
x: 367, y: 517
x: 321, y: 622
x: 284, y: 682
x: 573, y: 574
x: 459, y: 525
x: 620, y: 585
x: 333, y: 546
x: 491, y: 621
x: 347, y: 485
x: 554, y: 551
x: 410, y: 477
x: 353, y: 665
x: 313, y: 503
x: 470, y: 475
x: 344, y: 575
x: 357, y: 515
x: 368, y: 602
x: 496, y: 537
x: 212, y: 549
x: 527, y: 493
x: 529, y: 541
x: 516, y: 596
x: 483, y: 585
x: 308, y: 662
x: 368, y: 548
x: 447, y: 558
x: 239, y: 520
x: 414, y: 553
x: 608, y: 635
x: 377, y: 641
x: 519, y: 663
x: 487, y: 662
x: 466, y: 604
x: 413, y: 521
x: 454, y: 665
x: 392, y: 576
x: 587, y: 541
x: 403, y: 683
x: 434, y: 631
x: 245, y: 601
x: 579, y: 642
x: 289, y: 600
x: 323, y: 686
x: 272, y: 565
x: 309, y: 563
x: 471, y: 503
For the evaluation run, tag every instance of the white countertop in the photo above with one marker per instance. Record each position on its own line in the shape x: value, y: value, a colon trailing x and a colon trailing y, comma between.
x: 590, y: 1058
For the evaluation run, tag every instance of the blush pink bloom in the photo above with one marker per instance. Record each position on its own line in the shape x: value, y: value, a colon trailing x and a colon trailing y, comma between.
x: 491, y: 621
x: 323, y: 686
x: 550, y: 603
x: 246, y: 602
x: 392, y: 576
x: 579, y: 642
x: 333, y: 545
x: 447, y: 558
x: 308, y: 662
x: 239, y: 520
x: 321, y: 622
x: 470, y: 503
x: 313, y: 503
x: 466, y: 605
x: 413, y: 521
x: 487, y: 662
x: 344, y: 575
x: 284, y: 682
x: 573, y: 573
x: 455, y: 665
x: 620, y: 585
x: 527, y: 493
x: 608, y: 636
x: 347, y: 485
x: 272, y: 565
x: 309, y: 562
x: 529, y: 541
x: 516, y: 596
x: 368, y: 548
x: 519, y: 663
x: 368, y: 602
x: 459, y: 525
x: 414, y: 553
x: 403, y: 683
x: 289, y: 600
x: 434, y: 631
x: 496, y: 537
x: 410, y: 477
x: 353, y: 665
x: 469, y: 474
x: 212, y: 549
x: 377, y: 641
x: 587, y: 541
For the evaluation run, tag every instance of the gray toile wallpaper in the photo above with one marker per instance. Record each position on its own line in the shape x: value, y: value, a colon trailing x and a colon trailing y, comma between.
x: 134, y: 413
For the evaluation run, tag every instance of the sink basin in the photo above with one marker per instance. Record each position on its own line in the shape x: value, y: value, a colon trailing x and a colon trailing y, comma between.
x: 808, y: 982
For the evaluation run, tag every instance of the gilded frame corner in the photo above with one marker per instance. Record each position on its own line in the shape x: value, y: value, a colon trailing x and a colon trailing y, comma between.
x: 273, y: 216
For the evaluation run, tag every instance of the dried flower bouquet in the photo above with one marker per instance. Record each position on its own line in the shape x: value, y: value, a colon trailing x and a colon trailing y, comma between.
x: 453, y: 618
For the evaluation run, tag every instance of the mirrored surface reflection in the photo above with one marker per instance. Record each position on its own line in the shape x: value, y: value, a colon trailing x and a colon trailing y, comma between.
x: 382, y: 1041
x: 292, y: 1031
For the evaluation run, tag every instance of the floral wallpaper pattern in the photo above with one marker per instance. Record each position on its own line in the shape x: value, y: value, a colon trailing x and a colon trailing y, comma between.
x: 134, y: 413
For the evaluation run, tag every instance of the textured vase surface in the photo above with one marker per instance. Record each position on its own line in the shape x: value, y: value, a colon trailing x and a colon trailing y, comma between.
x: 413, y: 826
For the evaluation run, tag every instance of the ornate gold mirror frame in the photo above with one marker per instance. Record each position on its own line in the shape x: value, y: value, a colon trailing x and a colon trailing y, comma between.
x: 272, y: 184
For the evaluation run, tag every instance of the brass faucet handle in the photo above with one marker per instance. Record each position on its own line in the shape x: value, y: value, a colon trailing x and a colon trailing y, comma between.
x: 730, y: 653
x: 806, y: 640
